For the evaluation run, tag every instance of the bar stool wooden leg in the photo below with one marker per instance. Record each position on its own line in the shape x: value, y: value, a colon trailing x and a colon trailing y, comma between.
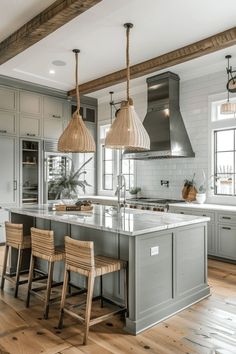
x: 63, y: 298
x: 101, y: 290
x: 31, y: 272
x: 48, y: 290
x: 4, y: 266
x: 18, y: 268
x: 126, y: 290
x: 88, y: 306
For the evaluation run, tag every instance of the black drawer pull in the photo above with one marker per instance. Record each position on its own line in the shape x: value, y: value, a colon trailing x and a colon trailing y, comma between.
x: 226, y: 217
x: 29, y: 134
x: 3, y: 131
x: 203, y: 214
x: 181, y: 212
x: 226, y: 228
x: 56, y: 116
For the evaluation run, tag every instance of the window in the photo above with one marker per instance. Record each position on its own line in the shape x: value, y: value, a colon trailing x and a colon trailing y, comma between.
x: 223, y: 133
x: 224, y: 161
x: 110, y: 166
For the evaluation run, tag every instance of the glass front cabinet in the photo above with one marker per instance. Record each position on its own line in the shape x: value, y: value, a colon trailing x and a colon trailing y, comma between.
x: 30, y: 171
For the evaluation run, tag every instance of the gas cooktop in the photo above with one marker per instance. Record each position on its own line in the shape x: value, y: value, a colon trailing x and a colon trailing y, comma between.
x: 154, y: 201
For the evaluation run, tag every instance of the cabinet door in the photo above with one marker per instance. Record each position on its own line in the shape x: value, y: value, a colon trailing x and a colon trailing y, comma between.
x: 30, y: 103
x: 7, y: 122
x: 8, y: 185
x: 8, y: 99
x: 227, y: 241
x: 29, y: 126
x: 53, y: 118
x: 52, y: 108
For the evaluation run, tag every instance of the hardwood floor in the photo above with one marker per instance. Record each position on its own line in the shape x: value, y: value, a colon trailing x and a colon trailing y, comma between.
x: 208, y: 327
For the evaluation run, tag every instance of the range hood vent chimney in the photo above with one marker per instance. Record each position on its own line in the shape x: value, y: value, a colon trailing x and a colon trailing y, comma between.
x: 163, y: 121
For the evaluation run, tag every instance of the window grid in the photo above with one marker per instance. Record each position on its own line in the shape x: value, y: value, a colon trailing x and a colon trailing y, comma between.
x: 218, y: 175
x: 107, y: 176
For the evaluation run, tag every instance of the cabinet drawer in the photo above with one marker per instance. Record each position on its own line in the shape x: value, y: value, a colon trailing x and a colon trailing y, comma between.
x: 30, y: 103
x: 52, y: 108
x: 227, y: 217
x: 7, y: 99
x: 188, y: 211
x: 7, y: 123
x: 227, y: 241
x: 29, y: 126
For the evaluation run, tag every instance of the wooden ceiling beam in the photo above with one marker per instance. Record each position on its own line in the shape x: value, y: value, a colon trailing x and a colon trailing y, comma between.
x: 49, y: 20
x: 195, y: 50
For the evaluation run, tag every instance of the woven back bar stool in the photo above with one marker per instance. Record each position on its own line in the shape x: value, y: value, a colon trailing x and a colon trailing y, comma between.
x: 80, y: 259
x: 43, y: 247
x: 15, y: 239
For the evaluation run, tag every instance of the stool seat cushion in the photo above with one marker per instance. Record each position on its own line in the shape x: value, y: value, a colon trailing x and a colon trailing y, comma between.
x: 57, y: 256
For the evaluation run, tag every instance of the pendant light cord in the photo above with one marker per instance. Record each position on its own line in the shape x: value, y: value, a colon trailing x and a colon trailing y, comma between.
x: 228, y: 79
x: 127, y: 60
x: 76, y: 51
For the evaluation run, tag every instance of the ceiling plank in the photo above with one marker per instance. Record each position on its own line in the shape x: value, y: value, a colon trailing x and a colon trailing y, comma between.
x: 195, y: 50
x: 49, y: 20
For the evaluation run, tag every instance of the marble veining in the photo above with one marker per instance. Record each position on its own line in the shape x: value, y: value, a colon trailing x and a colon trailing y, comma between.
x: 131, y: 222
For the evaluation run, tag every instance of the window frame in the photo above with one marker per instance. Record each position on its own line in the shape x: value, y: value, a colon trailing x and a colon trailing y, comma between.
x: 214, y: 126
x: 116, y: 164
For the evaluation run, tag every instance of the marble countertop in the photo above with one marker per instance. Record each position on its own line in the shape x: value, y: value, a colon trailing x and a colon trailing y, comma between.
x: 213, y: 207
x: 130, y: 222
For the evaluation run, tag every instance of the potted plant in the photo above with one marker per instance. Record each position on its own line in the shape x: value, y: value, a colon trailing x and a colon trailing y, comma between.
x: 66, y: 186
x: 201, y: 194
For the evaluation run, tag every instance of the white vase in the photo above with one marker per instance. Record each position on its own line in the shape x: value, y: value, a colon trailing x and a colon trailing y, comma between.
x: 200, y: 198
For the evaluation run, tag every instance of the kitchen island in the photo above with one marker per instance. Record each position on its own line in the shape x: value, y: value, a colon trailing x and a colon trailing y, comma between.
x: 166, y: 254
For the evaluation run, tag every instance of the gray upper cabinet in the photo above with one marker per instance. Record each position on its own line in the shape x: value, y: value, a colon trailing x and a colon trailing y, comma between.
x: 8, y: 122
x: 29, y: 126
x: 8, y: 185
x: 30, y: 103
x: 8, y: 99
x: 53, y: 117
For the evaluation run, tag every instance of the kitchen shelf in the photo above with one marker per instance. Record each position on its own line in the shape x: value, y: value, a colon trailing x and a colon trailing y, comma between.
x: 29, y: 163
x: 29, y: 199
x: 34, y: 150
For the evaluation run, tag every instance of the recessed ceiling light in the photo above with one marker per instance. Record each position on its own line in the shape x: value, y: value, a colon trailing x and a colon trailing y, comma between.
x: 58, y: 62
x: 51, y: 71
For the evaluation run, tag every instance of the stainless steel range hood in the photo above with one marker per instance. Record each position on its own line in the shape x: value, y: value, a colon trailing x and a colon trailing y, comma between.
x: 163, y: 121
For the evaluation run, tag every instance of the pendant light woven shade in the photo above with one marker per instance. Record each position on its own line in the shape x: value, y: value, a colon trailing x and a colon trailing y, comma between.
x: 228, y: 108
x: 76, y: 137
x: 127, y: 131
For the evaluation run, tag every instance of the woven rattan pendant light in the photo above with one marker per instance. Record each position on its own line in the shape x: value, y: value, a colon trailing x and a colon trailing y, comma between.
x: 127, y: 131
x: 76, y: 137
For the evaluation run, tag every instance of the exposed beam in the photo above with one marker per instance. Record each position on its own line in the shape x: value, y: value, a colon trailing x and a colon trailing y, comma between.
x: 195, y: 50
x: 49, y: 20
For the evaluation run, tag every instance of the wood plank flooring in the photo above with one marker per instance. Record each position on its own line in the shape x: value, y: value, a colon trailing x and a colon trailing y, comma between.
x: 208, y: 327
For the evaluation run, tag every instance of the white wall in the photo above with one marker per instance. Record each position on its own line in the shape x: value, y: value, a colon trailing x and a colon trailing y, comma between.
x: 194, y: 104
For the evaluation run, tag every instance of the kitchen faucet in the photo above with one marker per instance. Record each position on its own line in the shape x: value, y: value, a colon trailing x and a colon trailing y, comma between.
x: 121, y: 183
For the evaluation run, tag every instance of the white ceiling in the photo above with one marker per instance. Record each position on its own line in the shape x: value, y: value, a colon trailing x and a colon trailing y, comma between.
x: 15, y: 13
x: 159, y: 27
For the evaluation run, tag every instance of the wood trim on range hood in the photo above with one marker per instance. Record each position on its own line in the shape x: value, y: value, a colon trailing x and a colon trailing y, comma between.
x: 195, y: 50
x: 49, y: 20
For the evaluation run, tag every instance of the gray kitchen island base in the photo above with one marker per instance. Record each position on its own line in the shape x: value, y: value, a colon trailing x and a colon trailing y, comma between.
x: 167, y: 266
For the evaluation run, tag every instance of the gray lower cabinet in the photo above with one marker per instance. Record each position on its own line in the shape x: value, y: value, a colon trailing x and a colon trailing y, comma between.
x: 211, y: 230
x: 221, y: 231
x: 227, y: 241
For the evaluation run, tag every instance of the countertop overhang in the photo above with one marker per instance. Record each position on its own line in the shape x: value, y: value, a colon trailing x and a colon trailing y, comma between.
x: 130, y: 222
